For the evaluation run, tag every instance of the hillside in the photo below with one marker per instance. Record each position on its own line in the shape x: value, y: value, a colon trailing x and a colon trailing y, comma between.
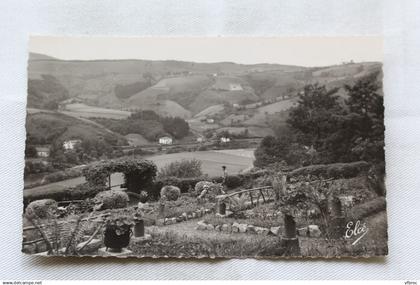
x: 193, y: 91
x: 54, y: 128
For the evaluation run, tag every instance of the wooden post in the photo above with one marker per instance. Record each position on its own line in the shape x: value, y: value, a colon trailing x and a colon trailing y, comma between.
x: 337, y: 225
x: 289, y: 241
x: 161, y: 210
x: 283, y: 184
x: 221, y: 207
x: 139, y: 228
x: 109, y: 181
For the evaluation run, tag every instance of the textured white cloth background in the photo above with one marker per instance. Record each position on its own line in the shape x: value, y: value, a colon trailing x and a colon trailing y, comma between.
x: 393, y: 19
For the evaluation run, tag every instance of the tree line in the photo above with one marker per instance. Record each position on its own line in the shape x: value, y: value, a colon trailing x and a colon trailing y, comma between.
x: 325, y: 128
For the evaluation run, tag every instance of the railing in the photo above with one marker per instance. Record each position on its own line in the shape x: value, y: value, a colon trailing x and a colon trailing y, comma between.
x: 256, y: 195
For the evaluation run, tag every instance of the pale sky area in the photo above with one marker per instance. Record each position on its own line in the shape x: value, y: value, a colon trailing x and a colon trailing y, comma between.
x: 302, y: 51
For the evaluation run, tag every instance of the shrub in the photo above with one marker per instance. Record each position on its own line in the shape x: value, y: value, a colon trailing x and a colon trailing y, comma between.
x: 372, y: 207
x: 78, y: 192
x: 41, y: 209
x: 212, y: 189
x: 335, y: 170
x: 136, y: 171
x: 171, y: 193
x: 111, y: 199
x: 182, y: 169
x: 143, y: 196
x: 233, y: 181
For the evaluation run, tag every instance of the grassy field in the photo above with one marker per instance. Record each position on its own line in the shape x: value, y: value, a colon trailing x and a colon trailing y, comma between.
x: 212, y: 161
x: 82, y: 110
x: 235, y: 160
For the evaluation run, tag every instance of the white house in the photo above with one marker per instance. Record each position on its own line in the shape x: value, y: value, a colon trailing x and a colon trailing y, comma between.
x: 200, y: 139
x: 165, y: 140
x: 224, y: 140
x: 235, y: 87
x: 42, y: 151
x: 210, y: 121
x: 71, y: 144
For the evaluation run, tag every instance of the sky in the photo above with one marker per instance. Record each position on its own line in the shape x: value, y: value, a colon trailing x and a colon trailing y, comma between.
x: 302, y: 51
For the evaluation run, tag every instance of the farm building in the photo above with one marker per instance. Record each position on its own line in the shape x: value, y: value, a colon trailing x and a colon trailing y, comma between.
x: 235, y: 87
x: 42, y: 151
x: 165, y: 140
x: 224, y: 139
x: 210, y: 121
x: 71, y: 144
x: 200, y: 139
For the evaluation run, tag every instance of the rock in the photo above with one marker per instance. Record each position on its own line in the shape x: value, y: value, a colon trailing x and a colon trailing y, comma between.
x: 275, y: 230
x: 160, y: 222
x: 184, y: 216
x: 179, y: 219
x: 219, y: 215
x: 90, y: 248
x: 198, y: 213
x: 142, y: 206
x: 235, y: 227
x: 314, y: 231
x: 174, y: 220
x: 303, y: 232
x: 207, y: 211
x: 141, y: 240
x: 262, y: 231
x: 228, y: 214
x: 194, y: 215
x: 226, y: 228
x: 29, y: 249
x: 218, y: 228
x: 251, y: 229
x: 242, y: 228
x: 201, y: 226
x: 189, y: 216
x: 210, y: 227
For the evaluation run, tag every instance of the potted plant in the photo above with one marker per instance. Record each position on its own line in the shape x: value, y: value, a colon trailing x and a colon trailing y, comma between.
x: 117, y: 232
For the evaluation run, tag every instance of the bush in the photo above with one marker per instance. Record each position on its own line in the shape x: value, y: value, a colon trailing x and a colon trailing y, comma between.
x: 171, y: 193
x: 233, y: 181
x: 182, y: 169
x: 143, y: 196
x: 79, y: 192
x: 212, y: 190
x: 372, y: 207
x: 335, y: 170
x: 111, y: 199
x: 41, y: 209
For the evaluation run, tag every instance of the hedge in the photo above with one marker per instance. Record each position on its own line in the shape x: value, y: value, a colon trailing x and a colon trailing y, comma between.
x: 138, y: 173
x: 78, y: 192
x: 369, y: 208
x: 335, y: 170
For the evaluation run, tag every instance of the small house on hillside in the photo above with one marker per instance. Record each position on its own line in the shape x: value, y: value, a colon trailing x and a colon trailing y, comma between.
x: 224, y: 139
x: 210, y: 121
x: 165, y: 140
x: 235, y: 87
x: 42, y: 151
x: 71, y: 144
x: 200, y: 139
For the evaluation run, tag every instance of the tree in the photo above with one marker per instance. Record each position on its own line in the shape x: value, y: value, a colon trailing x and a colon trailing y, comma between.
x: 176, y: 126
x: 30, y: 151
x: 367, y: 109
x: 315, y: 118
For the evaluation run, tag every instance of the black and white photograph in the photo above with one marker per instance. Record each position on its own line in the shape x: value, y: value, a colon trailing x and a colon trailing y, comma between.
x: 207, y: 147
